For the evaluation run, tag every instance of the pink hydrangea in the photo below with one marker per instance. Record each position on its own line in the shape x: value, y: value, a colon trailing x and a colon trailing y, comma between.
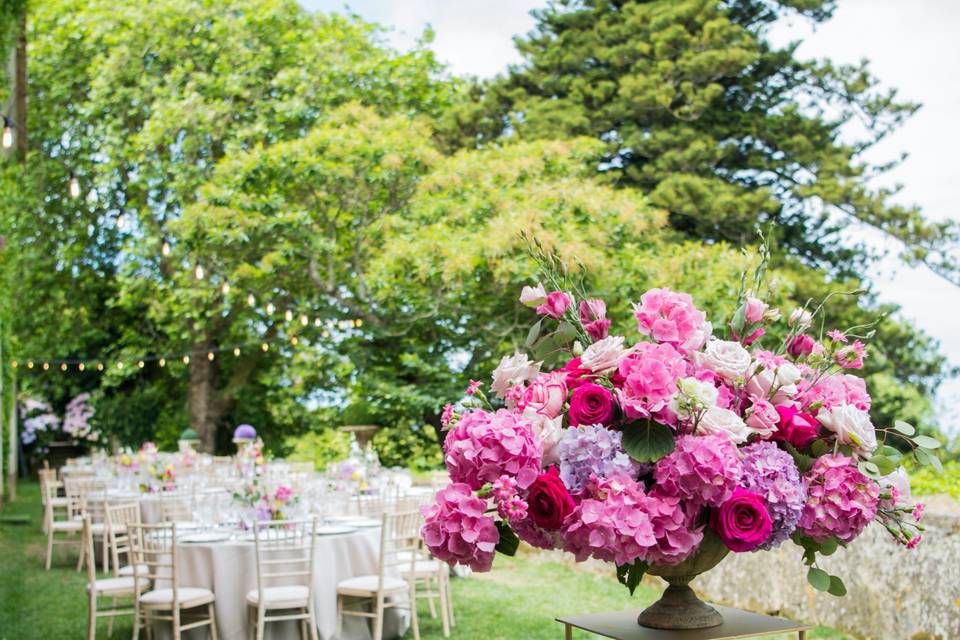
x: 841, y: 501
x: 674, y: 529
x: 834, y: 391
x: 528, y: 531
x: 670, y: 317
x: 701, y: 469
x: 458, y: 531
x: 648, y: 379
x: 484, y: 446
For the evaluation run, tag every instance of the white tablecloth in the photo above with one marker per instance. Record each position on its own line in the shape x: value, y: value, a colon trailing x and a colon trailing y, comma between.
x: 229, y: 569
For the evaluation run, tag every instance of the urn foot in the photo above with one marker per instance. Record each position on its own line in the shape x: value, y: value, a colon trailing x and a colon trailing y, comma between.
x: 679, y: 608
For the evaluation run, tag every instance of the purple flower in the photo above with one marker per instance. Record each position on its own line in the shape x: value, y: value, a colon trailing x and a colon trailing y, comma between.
x: 593, y: 450
x: 771, y: 472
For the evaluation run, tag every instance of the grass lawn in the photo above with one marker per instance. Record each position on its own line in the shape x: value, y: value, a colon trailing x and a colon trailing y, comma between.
x: 518, y: 600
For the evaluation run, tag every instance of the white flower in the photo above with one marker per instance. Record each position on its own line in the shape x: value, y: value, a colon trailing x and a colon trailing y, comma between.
x: 852, y: 426
x: 900, y: 481
x: 549, y: 431
x: 801, y: 319
x: 692, y: 397
x: 726, y: 358
x: 513, y: 370
x: 717, y: 420
x: 604, y: 355
x: 782, y: 381
x: 533, y: 296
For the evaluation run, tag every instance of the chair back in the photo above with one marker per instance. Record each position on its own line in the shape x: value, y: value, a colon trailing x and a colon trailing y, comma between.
x: 88, y: 552
x: 78, y: 490
x: 153, y: 546
x: 119, y: 518
x: 46, y: 475
x: 399, y: 544
x: 54, y: 512
x: 285, y: 553
x: 176, y: 506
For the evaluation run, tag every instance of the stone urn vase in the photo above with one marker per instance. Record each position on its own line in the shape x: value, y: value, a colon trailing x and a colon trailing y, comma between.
x: 679, y: 607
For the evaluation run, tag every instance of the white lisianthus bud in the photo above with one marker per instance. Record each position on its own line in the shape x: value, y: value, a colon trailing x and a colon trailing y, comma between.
x: 801, y: 319
x: 533, y: 296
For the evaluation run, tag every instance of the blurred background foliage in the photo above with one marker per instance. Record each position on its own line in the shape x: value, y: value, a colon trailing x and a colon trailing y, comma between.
x: 306, y: 163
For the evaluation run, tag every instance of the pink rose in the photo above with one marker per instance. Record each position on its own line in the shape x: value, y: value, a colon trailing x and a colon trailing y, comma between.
x: 591, y: 404
x: 801, y: 346
x: 753, y: 310
x: 555, y: 305
x: 763, y: 417
x: 549, y: 502
x: 742, y: 522
x: 796, y: 427
x: 545, y: 395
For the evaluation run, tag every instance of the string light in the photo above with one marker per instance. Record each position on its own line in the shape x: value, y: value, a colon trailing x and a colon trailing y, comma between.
x: 63, y: 367
x: 210, y: 356
x: 251, y: 300
x: 318, y: 322
x: 304, y: 320
x: 270, y: 308
x: 325, y: 334
x: 7, y: 133
x: 46, y: 365
x: 294, y: 340
x: 225, y: 288
x: 140, y: 363
x: 265, y: 347
x: 165, y: 248
x: 288, y: 315
x: 119, y: 365
x: 81, y: 366
x: 186, y: 359
x: 121, y: 221
x: 163, y: 362
x: 198, y: 271
x: 99, y: 366
x: 14, y: 364
x: 236, y: 352
x: 73, y: 185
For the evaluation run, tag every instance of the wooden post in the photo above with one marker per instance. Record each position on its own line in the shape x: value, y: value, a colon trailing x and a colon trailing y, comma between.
x: 20, y: 86
x: 12, y: 453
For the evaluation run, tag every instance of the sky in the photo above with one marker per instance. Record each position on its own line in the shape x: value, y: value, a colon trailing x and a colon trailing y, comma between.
x: 911, y: 46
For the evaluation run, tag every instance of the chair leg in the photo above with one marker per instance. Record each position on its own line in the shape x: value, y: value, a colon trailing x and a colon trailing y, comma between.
x: 113, y: 605
x: 378, y: 619
x: 92, y: 615
x: 106, y: 555
x: 339, y: 615
x: 261, y: 623
x: 214, y: 632
x: 176, y: 621
x: 430, y: 596
x: 312, y: 621
x: 136, y: 617
x: 413, y: 613
x: 49, y: 546
x: 303, y: 628
x: 83, y: 554
x: 446, y: 585
x: 444, y: 609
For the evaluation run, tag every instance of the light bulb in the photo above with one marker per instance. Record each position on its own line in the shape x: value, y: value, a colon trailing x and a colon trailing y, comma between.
x: 225, y: 287
x: 270, y: 308
x: 74, y: 186
x: 358, y: 322
x: 210, y: 356
x: 236, y: 352
x: 14, y: 364
x: 29, y: 364
x: 294, y: 340
x: 318, y: 322
x: 81, y: 366
x: 63, y: 367
x: 325, y: 334
x: 251, y: 300
x: 165, y: 248
x: 46, y: 365
x: 162, y: 362
x: 265, y: 346
x: 121, y: 221
x: 288, y: 315
x: 99, y: 366
x: 141, y: 363
x: 119, y: 365
x: 186, y: 359
x: 7, y: 133
x: 304, y: 320
x: 198, y: 272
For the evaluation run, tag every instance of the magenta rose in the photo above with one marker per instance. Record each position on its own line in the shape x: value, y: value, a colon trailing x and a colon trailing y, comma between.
x: 796, y: 427
x: 549, y: 501
x: 575, y: 374
x: 591, y: 404
x: 742, y: 522
x: 555, y: 305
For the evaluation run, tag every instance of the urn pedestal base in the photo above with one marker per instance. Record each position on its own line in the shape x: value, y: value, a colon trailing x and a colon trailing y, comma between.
x: 679, y: 608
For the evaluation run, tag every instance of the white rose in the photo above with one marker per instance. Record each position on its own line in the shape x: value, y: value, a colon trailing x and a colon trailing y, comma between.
x: 512, y: 370
x: 900, y: 481
x: 692, y: 397
x: 717, y: 420
x: 533, y: 296
x: 549, y: 431
x: 852, y: 426
x: 726, y: 358
x: 604, y: 355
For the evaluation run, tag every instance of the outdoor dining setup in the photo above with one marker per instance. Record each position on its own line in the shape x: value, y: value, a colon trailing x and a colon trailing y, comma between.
x: 190, y: 545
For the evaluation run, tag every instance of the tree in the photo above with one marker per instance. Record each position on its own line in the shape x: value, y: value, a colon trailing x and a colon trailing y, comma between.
x: 139, y: 102
x: 716, y: 124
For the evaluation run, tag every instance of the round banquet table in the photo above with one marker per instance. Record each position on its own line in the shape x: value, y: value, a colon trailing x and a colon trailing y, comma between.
x: 229, y: 569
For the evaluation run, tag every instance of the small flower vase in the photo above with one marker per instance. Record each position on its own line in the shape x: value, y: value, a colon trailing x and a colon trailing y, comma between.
x: 679, y: 607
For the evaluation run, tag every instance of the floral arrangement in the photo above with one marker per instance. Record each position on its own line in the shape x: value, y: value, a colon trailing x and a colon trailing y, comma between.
x: 42, y: 426
x: 249, y: 460
x: 636, y: 451
x: 264, y: 504
x: 158, y: 476
x: 39, y: 422
x: 76, y: 420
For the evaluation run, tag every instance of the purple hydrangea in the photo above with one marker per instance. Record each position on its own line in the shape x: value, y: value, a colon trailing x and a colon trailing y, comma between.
x: 772, y: 473
x: 593, y: 450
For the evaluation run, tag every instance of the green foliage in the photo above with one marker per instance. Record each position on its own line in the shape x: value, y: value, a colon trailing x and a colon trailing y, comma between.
x: 319, y: 447
x: 647, y: 441
x: 928, y: 481
x: 412, y: 445
x: 144, y: 412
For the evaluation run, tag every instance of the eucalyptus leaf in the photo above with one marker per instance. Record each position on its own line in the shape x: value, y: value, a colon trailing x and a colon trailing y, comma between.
x: 870, y: 469
x: 837, y: 588
x: 904, y: 427
x: 884, y: 465
x: 647, y: 441
x: 926, y: 442
x: 891, y: 452
x: 828, y: 547
x: 819, y: 579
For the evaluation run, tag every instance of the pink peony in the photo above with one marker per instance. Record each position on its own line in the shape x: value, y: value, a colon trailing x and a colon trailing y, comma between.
x: 555, y: 305
x: 841, y: 501
x: 649, y: 378
x: 742, y: 522
x: 458, y: 531
x: 484, y: 446
x: 796, y: 427
x: 851, y: 357
x: 702, y: 469
x: 672, y: 318
x: 591, y: 404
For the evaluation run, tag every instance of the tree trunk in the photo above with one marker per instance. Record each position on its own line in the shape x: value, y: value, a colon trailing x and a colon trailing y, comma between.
x: 205, y: 412
x: 20, y: 88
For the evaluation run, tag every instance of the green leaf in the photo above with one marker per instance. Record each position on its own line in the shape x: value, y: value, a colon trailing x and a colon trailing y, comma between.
x: 926, y: 442
x: 837, y: 588
x: 738, y: 319
x: 904, y: 427
x: 630, y: 575
x: 928, y: 458
x: 565, y: 333
x: 804, y: 462
x: 819, y: 448
x: 647, y: 441
x: 891, y: 452
x: 509, y: 542
x: 819, y: 579
x: 828, y: 547
x: 869, y: 469
x: 533, y: 334
x: 884, y: 464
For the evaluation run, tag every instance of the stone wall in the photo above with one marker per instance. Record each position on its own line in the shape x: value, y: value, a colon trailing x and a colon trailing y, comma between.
x: 893, y: 593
